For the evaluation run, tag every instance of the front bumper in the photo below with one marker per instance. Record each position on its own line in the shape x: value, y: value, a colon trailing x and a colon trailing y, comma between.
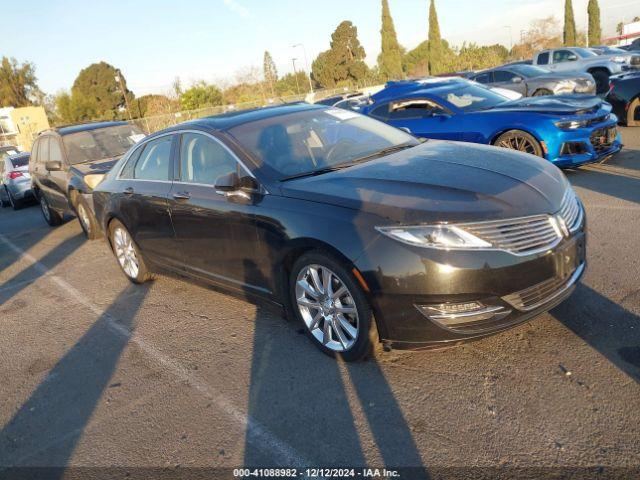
x: 584, y: 145
x: 518, y: 288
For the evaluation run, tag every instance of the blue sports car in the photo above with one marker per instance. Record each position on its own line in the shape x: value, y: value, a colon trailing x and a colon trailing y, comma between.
x: 568, y: 130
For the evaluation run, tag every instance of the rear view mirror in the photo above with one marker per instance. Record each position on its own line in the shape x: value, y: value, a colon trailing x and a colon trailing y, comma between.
x: 516, y: 79
x: 53, y: 166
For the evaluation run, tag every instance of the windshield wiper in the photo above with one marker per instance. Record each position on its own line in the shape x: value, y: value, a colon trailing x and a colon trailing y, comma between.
x: 313, y: 173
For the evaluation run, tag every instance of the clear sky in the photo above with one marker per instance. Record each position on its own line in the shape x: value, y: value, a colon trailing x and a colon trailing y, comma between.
x: 153, y: 41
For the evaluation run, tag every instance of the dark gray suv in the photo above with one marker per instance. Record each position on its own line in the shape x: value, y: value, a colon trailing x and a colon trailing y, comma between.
x: 68, y: 162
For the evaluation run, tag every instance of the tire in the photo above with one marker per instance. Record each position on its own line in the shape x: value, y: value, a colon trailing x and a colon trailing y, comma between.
x: 353, y: 336
x: 15, y: 204
x: 128, y: 254
x: 542, y: 92
x: 521, y: 141
x: 631, y: 113
x: 52, y: 217
x: 86, y: 218
x: 4, y: 200
x: 602, y: 81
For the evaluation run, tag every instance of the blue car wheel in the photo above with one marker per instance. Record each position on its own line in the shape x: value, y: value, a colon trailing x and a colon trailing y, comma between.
x: 521, y: 141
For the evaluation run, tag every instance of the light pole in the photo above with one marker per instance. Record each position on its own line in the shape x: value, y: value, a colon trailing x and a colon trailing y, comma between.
x: 295, y: 75
x: 306, y: 65
x: 118, y: 78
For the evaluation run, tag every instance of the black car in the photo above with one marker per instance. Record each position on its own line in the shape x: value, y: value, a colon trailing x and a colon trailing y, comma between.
x: 624, y: 97
x: 342, y: 220
x: 67, y: 162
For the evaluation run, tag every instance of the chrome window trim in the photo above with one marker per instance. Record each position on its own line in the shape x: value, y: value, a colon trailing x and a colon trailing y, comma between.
x: 142, y: 145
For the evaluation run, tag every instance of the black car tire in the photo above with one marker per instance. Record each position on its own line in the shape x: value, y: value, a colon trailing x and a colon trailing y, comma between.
x: 366, y: 338
x: 521, y: 141
x: 52, y: 217
x: 631, y: 113
x: 4, y: 200
x: 86, y: 218
x: 143, y: 273
x: 602, y: 81
x: 15, y: 203
x: 541, y: 92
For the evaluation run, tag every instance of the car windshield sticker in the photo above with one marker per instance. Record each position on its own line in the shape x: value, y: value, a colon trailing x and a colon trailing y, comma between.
x: 341, y: 114
x: 465, y: 100
x: 137, y: 137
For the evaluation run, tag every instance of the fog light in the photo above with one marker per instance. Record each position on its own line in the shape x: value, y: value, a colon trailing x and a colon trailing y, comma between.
x: 457, y: 314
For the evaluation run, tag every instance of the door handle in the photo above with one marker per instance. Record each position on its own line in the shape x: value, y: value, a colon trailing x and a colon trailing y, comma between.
x: 128, y: 191
x: 182, y: 196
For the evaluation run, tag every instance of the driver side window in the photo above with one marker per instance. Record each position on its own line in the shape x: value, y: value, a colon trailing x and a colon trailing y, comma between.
x: 413, y: 109
x: 561, y: 56
x: 204, y: 160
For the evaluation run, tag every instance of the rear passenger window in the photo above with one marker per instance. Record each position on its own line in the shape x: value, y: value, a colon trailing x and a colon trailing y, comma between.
x: 154, y: 161
x: 543, y: 58
x: 203, y: 160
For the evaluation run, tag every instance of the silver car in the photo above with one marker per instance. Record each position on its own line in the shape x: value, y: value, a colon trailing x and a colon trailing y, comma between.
x: 15, y: 181
x: 532, y: 81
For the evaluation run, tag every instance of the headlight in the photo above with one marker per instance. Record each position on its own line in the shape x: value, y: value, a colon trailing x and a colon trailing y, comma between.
x: 571, y: 124
x: 93, y: 180
x: 446, y: 237
x: 619, y: 59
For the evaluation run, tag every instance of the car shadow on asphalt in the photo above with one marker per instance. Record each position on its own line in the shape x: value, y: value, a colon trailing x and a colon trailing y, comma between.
x: 607, y: 326
x: 46, y: 428
x: 625, y: 187
x: 32, y: 273
x: 309, y: 401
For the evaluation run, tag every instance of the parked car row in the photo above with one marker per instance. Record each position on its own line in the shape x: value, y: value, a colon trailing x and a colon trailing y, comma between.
x: 361, y: 231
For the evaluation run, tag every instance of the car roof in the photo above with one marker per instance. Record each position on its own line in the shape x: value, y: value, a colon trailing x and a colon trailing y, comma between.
x: 229, y: 120
x: 425, y: 86
x: 69, y: 129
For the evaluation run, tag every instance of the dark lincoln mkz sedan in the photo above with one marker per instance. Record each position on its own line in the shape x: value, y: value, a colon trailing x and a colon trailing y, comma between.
x: 342, y: 220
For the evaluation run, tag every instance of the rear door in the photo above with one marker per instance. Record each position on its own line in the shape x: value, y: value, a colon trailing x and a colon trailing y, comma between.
x: 217, y: 234
x: 145, y: 183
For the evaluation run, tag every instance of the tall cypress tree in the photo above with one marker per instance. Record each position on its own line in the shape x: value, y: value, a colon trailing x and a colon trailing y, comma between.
x: 569, y: 34
x: 270, y: 72
x: 390, y: 58
x: 435, y: 42
x: 595, y: 33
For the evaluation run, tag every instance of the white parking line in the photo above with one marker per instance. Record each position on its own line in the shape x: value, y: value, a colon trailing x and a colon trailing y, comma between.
x: 287, y: 454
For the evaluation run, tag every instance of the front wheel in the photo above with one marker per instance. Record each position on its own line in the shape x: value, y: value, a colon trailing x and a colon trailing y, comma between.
x: 127, y: 253
x: 52, y: 217
x: 521, y: 141
x: 602, y: 81
x: 86, y: 218
x: 632, y: 114
x: 542, y: 92
x: 330, y: 303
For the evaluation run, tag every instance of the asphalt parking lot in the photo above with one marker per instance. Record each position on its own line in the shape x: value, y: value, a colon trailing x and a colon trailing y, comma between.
x: 98, y: 372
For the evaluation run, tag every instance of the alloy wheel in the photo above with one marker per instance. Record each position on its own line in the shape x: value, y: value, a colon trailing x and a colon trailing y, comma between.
x: 44, y: 206
x: 84, y: 217
x: 11, y: 201
x: 125, y: 252
x: 520, y: 143
x: 327, y: 307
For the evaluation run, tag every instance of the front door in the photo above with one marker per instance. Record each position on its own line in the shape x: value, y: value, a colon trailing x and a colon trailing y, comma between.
x: 216, y: 234
x: 423, y: 118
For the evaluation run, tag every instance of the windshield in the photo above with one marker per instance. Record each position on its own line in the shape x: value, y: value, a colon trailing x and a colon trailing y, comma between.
x: 100, y: 143
x: 529, y: 71
x: 472, y: 98
x: 7, y: 152
x: 584, y: 53
x: 315, y: 140
x: 21, y: 161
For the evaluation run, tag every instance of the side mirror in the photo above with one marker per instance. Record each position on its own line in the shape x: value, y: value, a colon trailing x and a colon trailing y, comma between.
x: 233, y: 186
x: 516, y: 79
x: 572, y: 58
x: 228, y: 183
x: 53, y: 166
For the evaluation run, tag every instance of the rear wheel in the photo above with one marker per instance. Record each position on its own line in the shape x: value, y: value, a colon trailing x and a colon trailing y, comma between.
x: 632, y: 113
x: 86, y: 218
x: 602, y: 81
x: 542, y: 92
x: 332, y: 307
x: 52, y: 217
x: 519, y: 140
x: 127, y: 253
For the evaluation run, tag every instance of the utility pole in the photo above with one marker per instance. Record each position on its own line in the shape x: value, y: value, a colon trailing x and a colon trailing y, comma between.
x: 295, y: 75
x: 306, y: 65
x: 126, y: 100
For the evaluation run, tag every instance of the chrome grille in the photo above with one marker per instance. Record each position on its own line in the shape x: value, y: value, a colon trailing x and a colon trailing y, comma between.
x: 543, y: 292
x: 527, y: 235
x: 520, y: 235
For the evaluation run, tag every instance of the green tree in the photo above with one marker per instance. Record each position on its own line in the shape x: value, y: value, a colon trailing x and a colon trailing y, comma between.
x: 416, y: 62
x: 200, y: 95
x: 288, y: 84
x: 595, y: 32
x: 98, y: 93
x: 435, y: 42
x: 390, y: 58
x: 18, y: 83
x: 270, y: 72
x: 344, y: 61
x: 569, y: 33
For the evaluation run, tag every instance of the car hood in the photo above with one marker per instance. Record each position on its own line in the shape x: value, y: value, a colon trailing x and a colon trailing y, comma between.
x: 96, y: 166
x: 440, y: 181
x: 554, y: 104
